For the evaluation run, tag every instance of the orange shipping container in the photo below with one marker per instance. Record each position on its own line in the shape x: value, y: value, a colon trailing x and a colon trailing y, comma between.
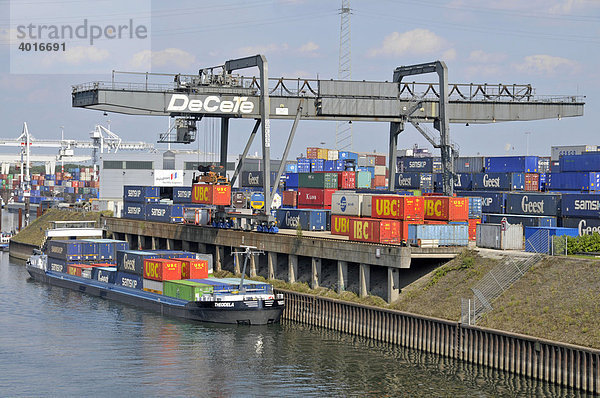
x: 211, y: 194
x: 397, y: 207
x: 446, y: 208
x: 160, y: 269
x: 532, y: 182
x: 192, y: 268
x: 378, y: 181
x: 322, y: 153
x: 340, y: 225
x: 75, y: 269
x: 374, y: 230
x: 473, y: 228
x: 312, y: 153
x: 290, y: 198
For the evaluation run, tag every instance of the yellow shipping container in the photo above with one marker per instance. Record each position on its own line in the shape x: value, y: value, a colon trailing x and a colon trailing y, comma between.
x: 322, y: 153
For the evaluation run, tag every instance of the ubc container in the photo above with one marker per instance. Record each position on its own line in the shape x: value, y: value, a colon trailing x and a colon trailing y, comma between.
x: 346, y: 203
x: 136, y: 211
x: 397, y: 207
x: 182, y: 195
x: 340, y: 224
x: 143, y: 194
x: 495, y: 236
x: 318, y: 180
x: 192, y: 268
x: 107, y: 248
x: 526, y: 221
x: 162, y: 269
x: 164, y: 212
x: 543, y: 245
x: 511, y: 164
x: 533, y: 204
x: 583, y: 162
x: 308, y: 219
x: 69, y: 250
x: 446, y: 208
x: 580, y: 205
x: 470, y: 164
x: 585, y: 226
x: 576, y: 181
x: 104, y: 274
x: 132, y: 261
x: 186, y: 289
x: 132, y: 281
x: 498, y: 181
x: 374, y: 230
x: 211, y: 194
x: 444, y: 234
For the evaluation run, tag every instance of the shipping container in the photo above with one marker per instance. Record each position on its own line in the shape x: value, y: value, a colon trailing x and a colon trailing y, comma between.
x: 136, y: 211
x: 291, y: 168
x: 363, y: 179
x: 366, y: 161
x: 532, y: 181
x: 69, y: 250
x: 346, y: 180
x: 256, y: 178
x: 340, y: 224
x: 475, y: 206
x: 440, y: 235
x: 303, y: 165
x: 192, y: 268
x: 77, y: 270
x: 126, y: 279
x: 470, y: 164
x: 332, y: 154
x: 162, y: 269
x: 497, y: 236
x: 347, y: 203
x: 312, y: 153
x: 333, y: 165
x: 584, y: 162
x: 211, y: 194
x: 537, y: 204
x: 499, y: 181
x: 152, y: 286
x: 315, y: 197
x: 557, y: 151
x: 446, y: 208
x: 197, y: 216
x: 89, y: 250
x: 132, y: 261
x: 308, y: 219
x: 318, y: 180
x: 322, y: 153
x: 511, y: 164
x: 218, y: 286
x: 491, y: 202
x: 292, y: 180
x: 182, y: 195
x: 537, y: 239
x: 375, y: 230
x: 172, y: 254
x: 378, y: 182
x: 345, y: 155
x: 289, y: 198
x: 105, y: 274
x: 585, y: 226
x: 415, y: 165
x: 575, y: 181
x: 473, y: 222
x: 526, y: 221
x: 186, y: 289
x: 317, y: 165
x: 397, y: 207
x: 164, y: 212
x: 580, y: 205
x: 464, y: 182
x: 249, y: 285
x: 137, y: 193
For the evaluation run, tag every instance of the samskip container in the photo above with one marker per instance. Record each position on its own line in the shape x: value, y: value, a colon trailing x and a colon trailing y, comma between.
x: 129, y: 280
x: 172, y: 254
x: 164, y: 212
x: 69, y: 250
x: 580, y: 205
x: 491, y: 202
x: 107, y: 248
x: 182, y: 195
x: 136, y: 211
x: 137, y: 193
x: 416, y: 165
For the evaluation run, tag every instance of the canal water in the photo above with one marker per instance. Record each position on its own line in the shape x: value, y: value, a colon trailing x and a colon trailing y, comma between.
x: 58, y: 342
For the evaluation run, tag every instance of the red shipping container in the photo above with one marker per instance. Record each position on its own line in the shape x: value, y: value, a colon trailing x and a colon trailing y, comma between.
x: 327, y: 194
x: 435, y: 222
x: 312, y: 153
x: 379, y: 160
x: 289, y: 198
x: 311, y: 196
x: 378, y: 181
x: 374, y: 230
x: 446, y: 208
x: 346, y: 179
x: 340, y: 225
x: 192, y: 268
x: 398, y: 207
x: 162, y: 269
x: 317, y: 207
x: 532, y: 182
x: 473, y: 228
x: 211, y: 194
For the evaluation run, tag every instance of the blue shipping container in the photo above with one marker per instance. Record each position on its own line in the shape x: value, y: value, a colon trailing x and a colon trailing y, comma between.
x: 414, y: 181
x: 581, y: 205
x: 291, y: 168
x: 344, y: 155
x: 317, y: 165
x: 585, y: 226
x: 475, y: 207
x: 136, y: 211
x: 69, y: 250
x: 218, y: 287
x: 526, y: 221
x: 182, y: 194
x: 128, y: 280
x: 144, y: 194
x: 132, y: 261
x: 89, y: 250
x: 464, y: 182
x: 511, y: 164
x: 58, y: 265
x: 308, y: 219
x: 174, y: 254
x: 583, y: 162
x: 164, y: 213
x: 446, y: 235
x: 535, y: 204
x: 415, y: 165
x: 303, y: 165
x: 107, y: 248
x: 537, y: 245
x: 498, y: 181
x: 104, y: 274
x: 576, y: 181
x: 291, y: 180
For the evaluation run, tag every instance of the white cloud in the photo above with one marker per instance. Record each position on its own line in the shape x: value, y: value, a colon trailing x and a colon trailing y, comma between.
x: 167, y: 57
x: 413, y: 42
x: 309, y: 49
x: 481, y: 56
x: 449, y: 55
x: 77, y: 55
x: 262, y: 49
x: 558, y: 7
x: 546, y: 65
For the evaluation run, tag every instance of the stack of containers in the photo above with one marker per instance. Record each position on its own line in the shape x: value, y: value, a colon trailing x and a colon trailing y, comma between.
x: 446, y: 221
x: 135, y: 199
x: 62, y: 253
x: 315, y: 190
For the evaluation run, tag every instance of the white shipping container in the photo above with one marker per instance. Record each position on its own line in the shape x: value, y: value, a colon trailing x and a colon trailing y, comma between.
x: 366, y: 161
x: 365, y: 208
x: 346, y: 203
x: 494, y: 236
x: 332, y: 154
x: 150, y: 285
x: 557, y: 151
x: 380, y: 170
x: 103, y: 205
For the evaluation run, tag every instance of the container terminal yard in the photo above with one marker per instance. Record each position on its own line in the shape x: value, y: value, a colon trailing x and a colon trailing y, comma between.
x: 369, y: 223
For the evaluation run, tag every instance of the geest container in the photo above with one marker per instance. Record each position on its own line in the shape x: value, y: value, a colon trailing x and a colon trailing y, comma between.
x: 583, y: 162
x: 136, y: 211
x: 132, y: 261
x: 186, y: 289
x: 499, y: 181
x: 346, y: 203
x: 511, y: 164
x: 374, y: 230
x: 536, y: 204
x: 446, y: 208
x: 144, y: 194
x: 182, y: 195
x: 585, y: 226
x: 255, y: 178
x: 164, y: 212
x: 444, y: 234
x: 526, y: 221
x: 69, y: 250
x: 580, y: 205
x: 105, y: 274
x: 340, y: 224
x: 308, y: 219
x: 132, y: 281
x: 193, y: 268
x: 211, y: 194
x: 398, y: 207
x: 416, y: 165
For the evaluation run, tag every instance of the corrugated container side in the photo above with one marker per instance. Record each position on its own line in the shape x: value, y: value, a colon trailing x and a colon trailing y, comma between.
x: 346, y: 203
x: 137, y: 193
x: 416, y: 165
x: 192, y: 268
x: 499, y: 181
x: 583, y: 162
x: 290, y: 198
x: 580, y: 205
x: 340, y: 224
x: 533, y: 204
x: 446, y: 208
x: 160, y: 269
x: 374, y: 230
x: 444, y: 234
x: 186, y: 289
x: 511, y: 164
x: 471, y: 164
x: 211, y: 194
x: 532, y: 182
x: 182, y: 194
x: 309, y: 220
x: 398, y: 207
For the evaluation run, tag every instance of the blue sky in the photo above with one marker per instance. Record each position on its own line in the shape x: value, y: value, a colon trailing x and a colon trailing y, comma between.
x: 552, y: 44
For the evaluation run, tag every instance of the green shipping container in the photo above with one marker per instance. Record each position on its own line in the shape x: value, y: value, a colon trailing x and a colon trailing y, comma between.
x: 318, y: 180
x: 363, y: 179
x: 186, y: 290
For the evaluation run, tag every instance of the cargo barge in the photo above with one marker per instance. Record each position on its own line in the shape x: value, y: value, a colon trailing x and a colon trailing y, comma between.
x: 235, y: 308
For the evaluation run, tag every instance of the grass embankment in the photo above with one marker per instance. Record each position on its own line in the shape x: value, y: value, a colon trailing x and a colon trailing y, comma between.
x: 34, y: 233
